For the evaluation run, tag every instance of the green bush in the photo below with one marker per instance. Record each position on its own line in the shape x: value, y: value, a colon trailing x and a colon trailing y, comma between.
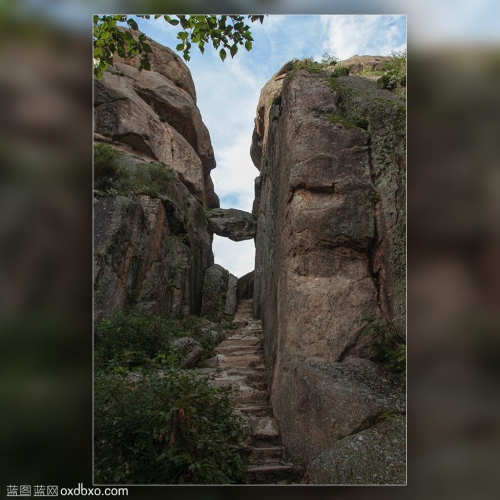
x: 340, y: 70
x: 133, y: 339
x: 152, y: 179
x: 329, y: 60
x: 136, y: 339
x: 309, y: 64
x: 397, y: 62
x: 107, y: 169
x: 390, y: 80
x: 173, y: 429
x: 389, y: 351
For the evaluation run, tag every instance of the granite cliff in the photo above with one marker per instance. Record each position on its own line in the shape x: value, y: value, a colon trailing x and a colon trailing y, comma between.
x: 152, y: 238
x: 330, y: 268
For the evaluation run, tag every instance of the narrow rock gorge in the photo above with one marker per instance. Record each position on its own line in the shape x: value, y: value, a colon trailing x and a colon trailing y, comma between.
x: 307, y: 355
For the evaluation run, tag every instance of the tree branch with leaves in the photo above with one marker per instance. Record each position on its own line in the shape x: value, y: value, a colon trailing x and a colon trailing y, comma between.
x: 226, y: 33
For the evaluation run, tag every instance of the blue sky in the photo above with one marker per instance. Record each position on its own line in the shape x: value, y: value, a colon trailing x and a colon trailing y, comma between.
x: 228, y: 93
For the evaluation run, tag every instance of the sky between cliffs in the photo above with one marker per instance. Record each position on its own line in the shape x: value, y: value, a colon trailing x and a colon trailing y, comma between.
x: 228, y: 93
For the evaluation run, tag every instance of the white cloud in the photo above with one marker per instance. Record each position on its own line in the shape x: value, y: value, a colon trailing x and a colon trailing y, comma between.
x: 235, y: 172
x: 347, y: 36
x: 237, y: 257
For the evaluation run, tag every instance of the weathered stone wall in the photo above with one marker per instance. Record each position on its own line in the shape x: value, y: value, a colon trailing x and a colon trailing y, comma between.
x: 152, y: 251
x: 329, y: 251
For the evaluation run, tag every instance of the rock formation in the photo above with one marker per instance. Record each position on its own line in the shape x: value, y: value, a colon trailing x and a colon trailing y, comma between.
x: 219, y: 293
x: 152, y: 239
x: 236, y: 225
x: 329, y: 254
x: 154, y: 115
x: 152, y: 252
x: 245, y: 286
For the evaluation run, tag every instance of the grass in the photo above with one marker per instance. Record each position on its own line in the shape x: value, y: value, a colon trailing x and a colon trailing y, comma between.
x: 111, y: 178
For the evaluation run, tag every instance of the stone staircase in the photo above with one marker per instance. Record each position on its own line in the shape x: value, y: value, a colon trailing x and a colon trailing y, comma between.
x: 241, y: 367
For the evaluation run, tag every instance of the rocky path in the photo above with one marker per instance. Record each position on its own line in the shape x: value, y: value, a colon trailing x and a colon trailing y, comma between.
x: 241, y: 367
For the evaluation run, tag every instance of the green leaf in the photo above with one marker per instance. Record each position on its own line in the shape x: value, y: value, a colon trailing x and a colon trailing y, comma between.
x: 147, y: 48
x: 248, y: 45
x: 173, y: 22
x: 180, y: 47
x: 183, y: 35
x: 222, y: 54
x: 233, y: 50
x: 132, y: 24
x: 97, y: 52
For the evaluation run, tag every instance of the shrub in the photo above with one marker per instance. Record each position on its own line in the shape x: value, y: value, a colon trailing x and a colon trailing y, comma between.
x: 107, y: 169
x: 389, y: 352
x: 329, y: 60
x: 172, y: 429
x: 152, y: 179
x: 340, y: 70
x: 309, y: 64
x: 390, y: 80
x: 134, y: 339
x: 397, y: 62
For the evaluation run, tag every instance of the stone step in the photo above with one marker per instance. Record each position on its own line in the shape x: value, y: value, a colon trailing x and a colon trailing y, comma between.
x: 255, y: 373
x: 240, y: 323
x: 236, y: 382
x: 245, y: 360
x: 250, y: 397
x: 252, y: 341
x: 237, y: 349
x: 254, y: 410
x: 273, y: 474
x: 269, y: 453
x: 265, y: 429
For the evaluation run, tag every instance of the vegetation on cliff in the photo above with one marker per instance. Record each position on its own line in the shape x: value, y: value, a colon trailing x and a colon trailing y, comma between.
x: 227, y: 32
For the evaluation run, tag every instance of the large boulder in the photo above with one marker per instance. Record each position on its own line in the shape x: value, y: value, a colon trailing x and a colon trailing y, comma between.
x: 356, y: 64
x: 245, y: 286
x: 189, y: 351
x: 165, y: 62
x: 356, y: 459
x: 219, y: 293
x: 231, y: 223
x: 154, y: 114
x: 326, y: 402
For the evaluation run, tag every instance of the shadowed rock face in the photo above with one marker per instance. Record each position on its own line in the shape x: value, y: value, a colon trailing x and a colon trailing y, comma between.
x: 150, y: 252
x: 329, y: 246
x: 236, y: 225
x: 153, y: 114
x: 219, y: 293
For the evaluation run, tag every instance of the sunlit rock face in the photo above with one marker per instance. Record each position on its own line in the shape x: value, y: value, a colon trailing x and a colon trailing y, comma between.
x: 330, y: 250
